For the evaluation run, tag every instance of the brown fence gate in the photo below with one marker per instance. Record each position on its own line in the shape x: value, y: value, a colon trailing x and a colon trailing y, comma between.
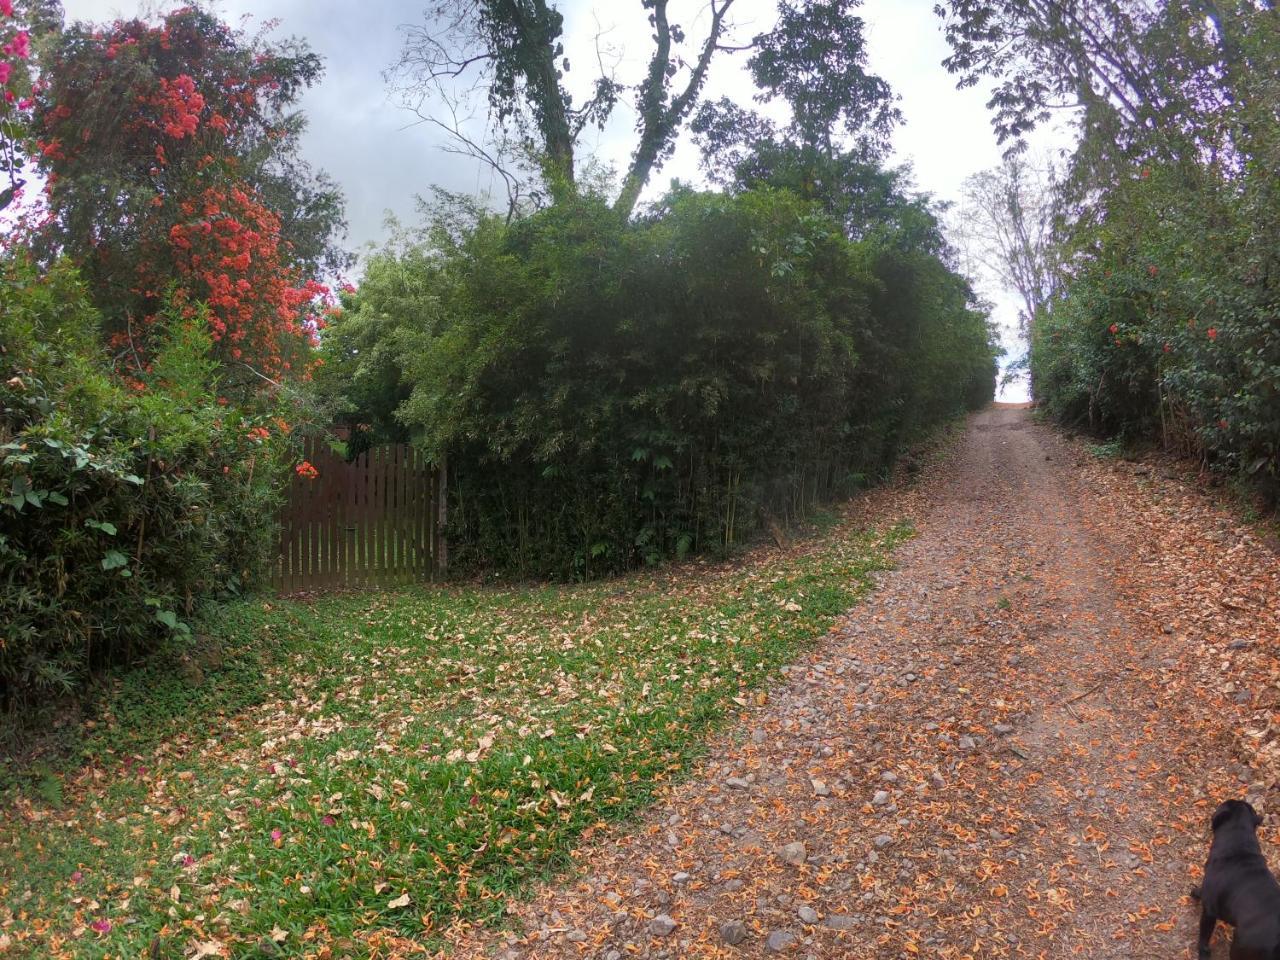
x: 376, y: 520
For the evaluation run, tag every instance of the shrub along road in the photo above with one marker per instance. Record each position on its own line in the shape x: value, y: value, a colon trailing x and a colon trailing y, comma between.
x: 1012, y: 750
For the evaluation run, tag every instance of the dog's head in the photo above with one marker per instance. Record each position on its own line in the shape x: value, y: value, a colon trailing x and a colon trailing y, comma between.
x: 1236, y: 811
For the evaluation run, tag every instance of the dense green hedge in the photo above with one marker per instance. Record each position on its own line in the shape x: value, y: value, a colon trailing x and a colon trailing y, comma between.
x: 611, y: 393
x: 1170, y: 329
x: 121, y: 510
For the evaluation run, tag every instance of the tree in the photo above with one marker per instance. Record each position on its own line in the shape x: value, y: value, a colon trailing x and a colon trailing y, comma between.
x: 1148, y: 75
x: 841, y: 117
x: 1008, y: 216
x: 1053, y: 54
x: 170, y: 153
x: 511, y: 51
x: 815, y: 59
x: 610, y: 392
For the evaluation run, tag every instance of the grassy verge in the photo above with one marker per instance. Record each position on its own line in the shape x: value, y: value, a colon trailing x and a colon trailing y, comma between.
x: 415, y: 758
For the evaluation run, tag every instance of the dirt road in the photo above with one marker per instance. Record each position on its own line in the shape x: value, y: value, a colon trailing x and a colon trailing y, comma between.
x: 1011, y: 750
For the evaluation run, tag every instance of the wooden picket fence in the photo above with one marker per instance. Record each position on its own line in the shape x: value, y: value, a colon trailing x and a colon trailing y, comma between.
x: 376, y: 520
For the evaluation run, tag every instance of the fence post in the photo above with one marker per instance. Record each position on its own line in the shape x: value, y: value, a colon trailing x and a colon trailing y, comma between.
x: 441, y: 546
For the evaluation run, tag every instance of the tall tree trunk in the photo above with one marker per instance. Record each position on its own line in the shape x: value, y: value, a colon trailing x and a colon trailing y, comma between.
x: 545, y: 93
x: 660, y: 121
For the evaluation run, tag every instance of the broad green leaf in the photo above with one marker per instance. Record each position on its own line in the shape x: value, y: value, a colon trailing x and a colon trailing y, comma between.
x: 113, y: 560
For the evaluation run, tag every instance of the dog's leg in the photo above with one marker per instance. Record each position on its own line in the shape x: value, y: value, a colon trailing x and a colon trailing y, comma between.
x: 1207, y: 923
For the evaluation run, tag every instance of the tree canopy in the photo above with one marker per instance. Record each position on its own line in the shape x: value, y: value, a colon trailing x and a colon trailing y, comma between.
x: 511, y: 52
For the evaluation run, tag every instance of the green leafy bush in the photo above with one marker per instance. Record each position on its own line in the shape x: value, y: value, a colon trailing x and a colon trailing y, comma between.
x: 121, y: 510
x: 1168, y: 329
x: 610, y: 393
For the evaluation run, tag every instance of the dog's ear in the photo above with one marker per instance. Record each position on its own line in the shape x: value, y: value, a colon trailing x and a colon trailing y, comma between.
x: 1253, y: 815
x: 1220, y: 816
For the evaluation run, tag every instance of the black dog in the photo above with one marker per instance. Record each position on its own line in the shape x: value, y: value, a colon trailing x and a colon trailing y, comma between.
x: 1238, y: 888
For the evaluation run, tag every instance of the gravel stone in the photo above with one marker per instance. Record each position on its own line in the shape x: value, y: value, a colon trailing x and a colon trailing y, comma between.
x: 661, y: 925
x: 733, y: 932
x: 779, y: 940
x: 794, y: 854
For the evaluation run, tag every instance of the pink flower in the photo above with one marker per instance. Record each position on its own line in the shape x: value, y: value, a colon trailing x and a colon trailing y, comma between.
x: 6, y: 7
x: 5, y: 70
x: 77, y: 877
x: 20, y: 45
x: 188, y: 861
x: 276, y: 836
x: 327, y: 820
x: 100, y: 926
x: 1212, y: 333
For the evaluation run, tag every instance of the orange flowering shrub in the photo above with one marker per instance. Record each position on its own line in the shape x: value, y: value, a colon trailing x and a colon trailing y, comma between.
x: 180, y: 201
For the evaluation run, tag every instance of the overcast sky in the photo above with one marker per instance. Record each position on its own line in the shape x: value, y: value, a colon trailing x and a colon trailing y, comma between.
x: 383, y: 160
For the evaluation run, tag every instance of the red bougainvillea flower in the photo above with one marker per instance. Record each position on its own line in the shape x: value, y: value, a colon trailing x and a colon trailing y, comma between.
x: 1114, y: 328
x: 307, y: 470
x: 19, y: 46
x: 100, y: 926
x: 6, y: 7
x: 1212, y: 333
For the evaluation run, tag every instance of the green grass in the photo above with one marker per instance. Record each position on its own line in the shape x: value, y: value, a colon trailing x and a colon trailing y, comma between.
x: 450, y: 745
x: 1109, y: 450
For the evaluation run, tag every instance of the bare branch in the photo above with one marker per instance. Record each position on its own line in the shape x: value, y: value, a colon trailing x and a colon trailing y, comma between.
x: 496, y: 159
